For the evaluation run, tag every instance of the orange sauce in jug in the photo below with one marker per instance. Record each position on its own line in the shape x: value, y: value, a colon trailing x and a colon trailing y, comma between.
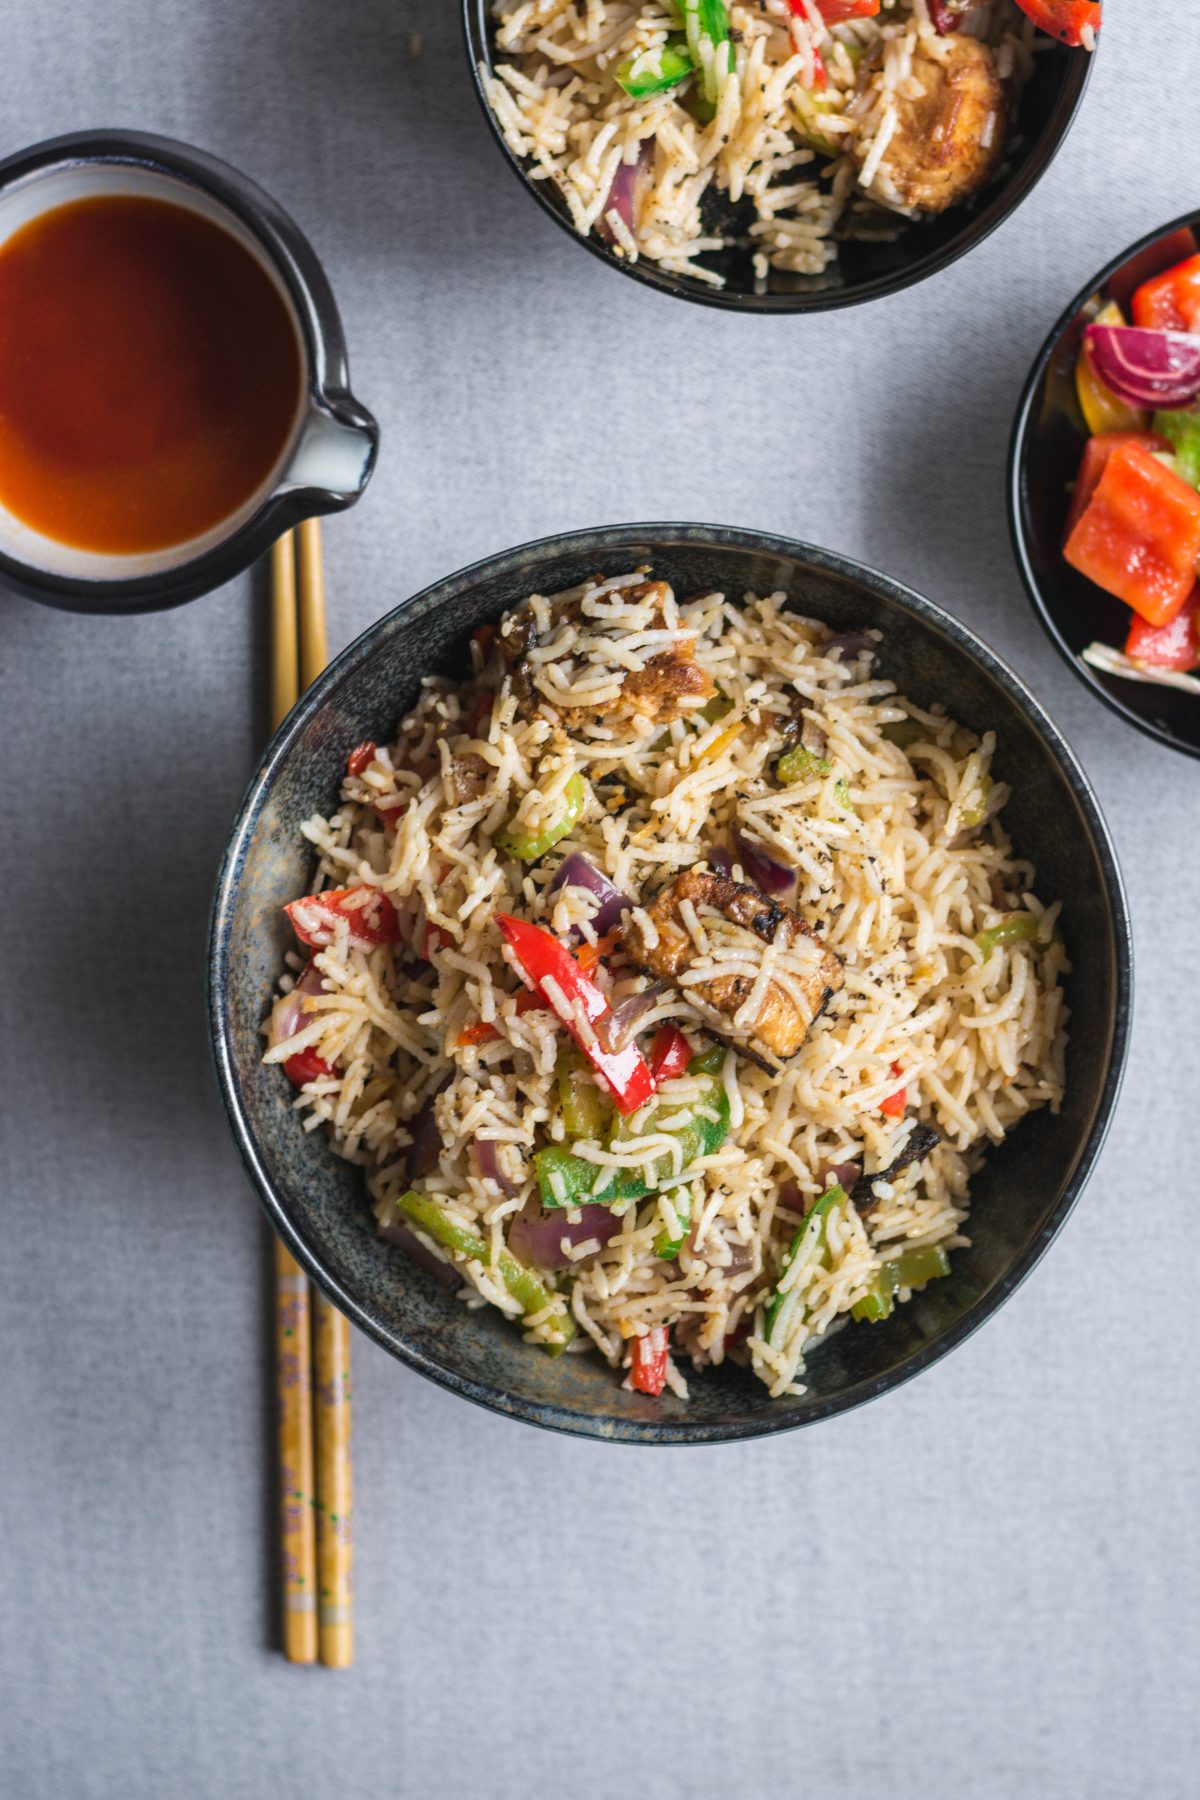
x: 150, y: 374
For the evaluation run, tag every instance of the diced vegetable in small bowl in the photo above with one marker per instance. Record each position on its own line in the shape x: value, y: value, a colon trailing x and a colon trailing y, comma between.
x: 1104, y: 485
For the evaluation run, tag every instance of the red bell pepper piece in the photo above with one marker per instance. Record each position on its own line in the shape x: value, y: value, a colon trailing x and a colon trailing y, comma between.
x: 390, y: 816
x: 1066, y: 20
x: 670, y: 1054
x: 1095, y: 456
x: 361, y: 757
x: 649, y: 1373
x: 895, y: 1103
x: 588, y: 955
x: 479, y: 1033
x: 432, y: 938
x: 836, y: 12
x: 1173, y: 646
x: 370, y: 915
x: 306, y: 1065
x: 544, y: 959
x: 1171, y: 301
x: 820, y: 78
x: 1138, y: 537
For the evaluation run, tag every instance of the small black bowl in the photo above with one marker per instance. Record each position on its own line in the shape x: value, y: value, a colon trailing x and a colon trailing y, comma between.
x: 332, y: 446
x: 316, y: 1202
x: 863, y: 271
x: 1047, y: 444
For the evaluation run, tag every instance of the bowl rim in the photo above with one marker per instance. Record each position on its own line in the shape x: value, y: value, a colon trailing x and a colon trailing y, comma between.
x: 980, y: 225
x: 523, y: 561
x: 1018, y: 457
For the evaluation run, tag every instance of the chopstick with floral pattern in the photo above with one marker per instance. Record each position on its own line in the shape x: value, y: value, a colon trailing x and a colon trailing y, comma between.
x: 316, y: 1495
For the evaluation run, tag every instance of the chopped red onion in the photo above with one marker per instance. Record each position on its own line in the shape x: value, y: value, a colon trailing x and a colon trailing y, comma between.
x: 791, y: 1197
x: 536, y: 1236
x: 741, y: 1258
x: 1156, y: 369
x: 402, y: 1234
x: 719, y: 859
x: 947, y: 15
x: 763, y: 869
x: 848, y: 646
x: 992, y: 805
x: 426, y: 1144
x: 623, y: 194
x: 813, y: 737
x: 576, y: 871
x: 487, y: 1161
x: 617, y: 1027
x: 288, y: 1015
x: 846, y: 1174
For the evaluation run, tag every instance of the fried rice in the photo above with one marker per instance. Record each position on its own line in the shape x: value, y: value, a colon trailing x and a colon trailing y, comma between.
x: 799, y: 149
x: 776, y: 751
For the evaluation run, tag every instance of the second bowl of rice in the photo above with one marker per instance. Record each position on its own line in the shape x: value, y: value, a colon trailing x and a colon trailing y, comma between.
x: 820, y: 855
x: 800, y: 165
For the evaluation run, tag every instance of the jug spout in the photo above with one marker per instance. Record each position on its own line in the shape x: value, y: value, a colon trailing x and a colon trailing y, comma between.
x: 336, y: 451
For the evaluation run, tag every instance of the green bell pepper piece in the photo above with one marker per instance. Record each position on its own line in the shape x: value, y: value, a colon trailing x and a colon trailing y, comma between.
x: 531, y: 1294
x: 880, y: 1297
x: 527, y: 848
x: 916, y: 1267
x: 973, y: 815
x: 719, y: 707
x: 705, y: 19
x: 795, y: 765
x: 1183, y: 431
x: 1017, y: 928
x: 585, y: 1110
x: 566, y: 1180
x: 904, y: 732
x: 665, y: 1245
x: 809, y: 1243
x: 912, y: 1269
x: 654, y: 71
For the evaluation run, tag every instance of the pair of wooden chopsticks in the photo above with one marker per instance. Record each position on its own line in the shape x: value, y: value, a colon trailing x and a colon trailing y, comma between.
x: 315, y: 1518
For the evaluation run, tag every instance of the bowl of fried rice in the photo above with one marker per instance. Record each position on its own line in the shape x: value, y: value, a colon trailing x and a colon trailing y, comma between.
x: 780, y: 155
x: 669, y: 983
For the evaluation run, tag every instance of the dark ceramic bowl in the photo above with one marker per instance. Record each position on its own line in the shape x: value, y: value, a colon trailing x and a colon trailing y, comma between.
x: 316, y: 1203
x: 863, y: 271
x: 1047, y: 444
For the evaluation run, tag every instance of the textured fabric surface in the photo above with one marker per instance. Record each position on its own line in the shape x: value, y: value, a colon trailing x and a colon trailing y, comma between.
x: 983, y: 1584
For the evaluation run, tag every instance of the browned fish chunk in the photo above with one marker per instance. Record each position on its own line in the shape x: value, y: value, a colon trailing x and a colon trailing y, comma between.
x: 950, y: 136
x: 810, y: 974
x: 671, y: 683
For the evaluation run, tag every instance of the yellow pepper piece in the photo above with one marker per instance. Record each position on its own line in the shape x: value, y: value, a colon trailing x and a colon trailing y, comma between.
x: 721, y: 744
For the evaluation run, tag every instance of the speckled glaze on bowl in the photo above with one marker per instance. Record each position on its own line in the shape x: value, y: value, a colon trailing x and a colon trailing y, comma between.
x: 316, y: 1203
x: 1047, y: 444
x: 863, y: 271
